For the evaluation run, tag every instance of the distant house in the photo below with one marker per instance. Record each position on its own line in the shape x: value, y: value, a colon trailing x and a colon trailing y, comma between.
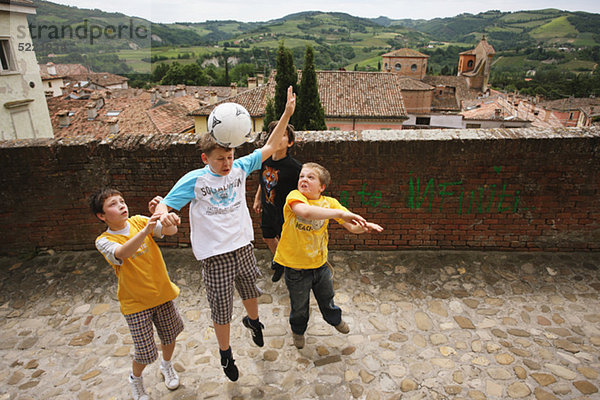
x: 492, y: 112
x: 406, y: 62
x: 574, y: 111
x: 23, y: 110
x: 52, y: 81
x: 351, y: 101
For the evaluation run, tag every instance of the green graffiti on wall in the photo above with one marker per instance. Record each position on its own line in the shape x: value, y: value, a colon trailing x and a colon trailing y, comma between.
x: 422, y: 195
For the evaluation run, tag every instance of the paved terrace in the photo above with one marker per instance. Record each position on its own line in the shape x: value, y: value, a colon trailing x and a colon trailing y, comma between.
x: 424, y: 325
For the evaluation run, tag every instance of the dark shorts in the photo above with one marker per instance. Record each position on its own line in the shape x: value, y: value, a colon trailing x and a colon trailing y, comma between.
x: 270, y: 226
x: 168, y: 323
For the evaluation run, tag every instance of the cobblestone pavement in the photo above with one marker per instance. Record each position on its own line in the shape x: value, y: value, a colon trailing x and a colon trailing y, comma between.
x: 424, y: 325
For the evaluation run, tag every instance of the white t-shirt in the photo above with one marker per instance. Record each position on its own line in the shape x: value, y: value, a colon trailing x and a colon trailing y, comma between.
x: 219, y: 218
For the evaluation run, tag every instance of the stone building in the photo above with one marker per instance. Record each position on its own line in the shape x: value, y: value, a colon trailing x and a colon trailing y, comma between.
x: 22, y: 99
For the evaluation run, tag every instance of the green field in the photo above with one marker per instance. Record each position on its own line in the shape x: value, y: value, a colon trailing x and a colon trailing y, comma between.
x: 558, y: 28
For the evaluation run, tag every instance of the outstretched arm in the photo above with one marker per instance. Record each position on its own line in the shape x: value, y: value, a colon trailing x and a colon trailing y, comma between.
x: 130, y: 247
x: 315, y: 212
x: 271, y: 146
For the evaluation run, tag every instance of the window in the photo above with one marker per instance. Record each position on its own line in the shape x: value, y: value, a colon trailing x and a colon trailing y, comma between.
x: 470, y: 64
x: 473, y: 126
x: 398, y: 67
x: 413, y: 67
x: 7, y: 62
x: 423, y: 120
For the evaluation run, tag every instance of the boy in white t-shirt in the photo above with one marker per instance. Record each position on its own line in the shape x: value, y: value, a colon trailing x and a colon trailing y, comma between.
x: 221, y: 231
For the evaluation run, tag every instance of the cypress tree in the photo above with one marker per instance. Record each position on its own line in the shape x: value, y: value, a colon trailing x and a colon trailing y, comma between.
x: 286, y: 76
x: 309, y: 111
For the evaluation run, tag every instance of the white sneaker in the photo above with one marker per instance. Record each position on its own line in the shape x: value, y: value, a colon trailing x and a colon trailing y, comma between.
x: 137, y: 388
x: 171, y: 377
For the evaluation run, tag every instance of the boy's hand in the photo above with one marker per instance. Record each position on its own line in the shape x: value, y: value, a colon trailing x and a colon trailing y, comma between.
x: 169, y: 219
x: 290, y: 104
x: 354, y: 219
x: 153, y: 203
x: 372, y: 227
x: 151, y: 224
x: 257, y: 206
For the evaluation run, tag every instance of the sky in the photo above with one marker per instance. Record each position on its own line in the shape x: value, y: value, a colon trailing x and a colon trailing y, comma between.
x: 168, y: 11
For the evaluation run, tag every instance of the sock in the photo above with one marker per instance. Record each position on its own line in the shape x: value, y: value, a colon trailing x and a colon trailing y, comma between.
x: 226, y: 354
x: 133, y: 376
x: 165, y: 363
x: 255, y: 323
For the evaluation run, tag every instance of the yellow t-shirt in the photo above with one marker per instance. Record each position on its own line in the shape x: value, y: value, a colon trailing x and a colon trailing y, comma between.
x: 143, y: 279
x: 303, y: 243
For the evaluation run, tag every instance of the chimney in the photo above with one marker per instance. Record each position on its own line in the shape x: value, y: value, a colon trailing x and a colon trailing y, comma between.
x: 196, y: 95
x: 63, y: 118
x: 546, y: 115
x: 98, y: 101
x: 92, y: 112
x: 153, y: 95
x: 51, y: 68
x: 260, y: 79
x: 108, y: 95
x: 213, y: 97
x: 180, y: 90
x: 233, y: 91
x: 251, y: 82
x: 113, y: 124
x: 498, y: 113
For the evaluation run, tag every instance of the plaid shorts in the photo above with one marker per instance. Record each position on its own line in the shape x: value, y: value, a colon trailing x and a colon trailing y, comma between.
x: 168, y: 324
x: 221, y: 272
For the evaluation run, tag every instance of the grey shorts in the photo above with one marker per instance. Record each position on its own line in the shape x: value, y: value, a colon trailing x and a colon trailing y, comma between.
x: 224, y: 271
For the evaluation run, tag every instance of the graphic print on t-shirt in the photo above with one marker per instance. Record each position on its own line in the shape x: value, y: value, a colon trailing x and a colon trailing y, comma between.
x: 270, y: 177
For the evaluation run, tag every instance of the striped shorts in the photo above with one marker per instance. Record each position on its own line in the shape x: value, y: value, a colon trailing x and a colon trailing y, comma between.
x: 168, y: 324
x: 221, y: 272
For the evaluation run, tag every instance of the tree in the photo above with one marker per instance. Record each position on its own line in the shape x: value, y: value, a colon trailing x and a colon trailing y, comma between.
x: 159, y: 72
x: 309, y: 111
x: 269, y: 113
x: 286, y: 76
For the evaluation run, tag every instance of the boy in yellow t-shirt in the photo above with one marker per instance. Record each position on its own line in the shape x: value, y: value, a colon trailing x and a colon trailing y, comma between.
x: 302, y: 248
x: 145, y: 291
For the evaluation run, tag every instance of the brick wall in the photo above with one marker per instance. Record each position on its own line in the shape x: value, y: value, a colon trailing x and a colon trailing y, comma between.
x: 524, y: 189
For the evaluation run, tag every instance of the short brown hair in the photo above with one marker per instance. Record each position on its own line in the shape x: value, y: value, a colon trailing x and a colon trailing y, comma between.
x: 324, y: 176
x: 289, y: 129
x: 208, y: 144
x: 97, y: 200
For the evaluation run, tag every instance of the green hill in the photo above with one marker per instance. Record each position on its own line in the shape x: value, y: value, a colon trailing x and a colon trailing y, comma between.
x: 339, y: 39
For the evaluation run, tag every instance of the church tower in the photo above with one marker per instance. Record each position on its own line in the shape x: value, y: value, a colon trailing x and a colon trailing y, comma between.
x: 475, y: 65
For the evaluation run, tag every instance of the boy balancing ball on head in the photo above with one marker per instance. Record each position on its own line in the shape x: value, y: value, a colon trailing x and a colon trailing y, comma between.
x: 221, y: 231
x: 278, y: 177
x: 145, y: 291
x: 302, y: 249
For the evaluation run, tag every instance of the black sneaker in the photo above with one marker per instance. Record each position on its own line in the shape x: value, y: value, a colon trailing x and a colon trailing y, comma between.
x: 277, y: 272
x: 257, y: 335
x: 230, y: 369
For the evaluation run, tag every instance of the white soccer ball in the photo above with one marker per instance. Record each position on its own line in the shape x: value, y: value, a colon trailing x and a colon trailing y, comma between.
x: 230, y: 124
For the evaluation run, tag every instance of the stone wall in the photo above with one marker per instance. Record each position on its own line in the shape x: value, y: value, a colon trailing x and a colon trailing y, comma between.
x: 521, y: 189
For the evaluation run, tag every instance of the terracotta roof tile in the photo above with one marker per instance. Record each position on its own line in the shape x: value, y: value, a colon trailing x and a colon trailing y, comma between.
x: 65, y: 69
x: 360, y: 94
x: 136, y: 116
